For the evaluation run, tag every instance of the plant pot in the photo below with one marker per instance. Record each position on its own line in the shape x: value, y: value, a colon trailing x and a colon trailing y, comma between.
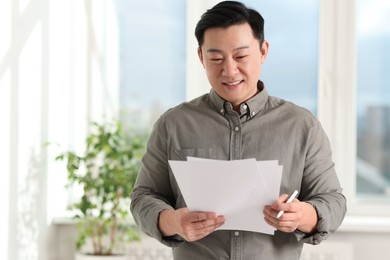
x: 100, y: 257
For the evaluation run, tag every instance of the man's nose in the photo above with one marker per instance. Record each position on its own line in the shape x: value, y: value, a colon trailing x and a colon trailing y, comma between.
x: 229, y: 67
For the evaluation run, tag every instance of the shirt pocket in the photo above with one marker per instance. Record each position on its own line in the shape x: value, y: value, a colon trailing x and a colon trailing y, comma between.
x: 182, y: 154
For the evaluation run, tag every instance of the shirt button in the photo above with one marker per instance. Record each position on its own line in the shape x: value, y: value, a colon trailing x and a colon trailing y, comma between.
x: 236, y: 128
x: 221, y: 111
x: 236, y: 233
x: 244, y: 107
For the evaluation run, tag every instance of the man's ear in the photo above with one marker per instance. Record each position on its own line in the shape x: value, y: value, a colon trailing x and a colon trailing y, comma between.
x: 264, y: 50
x: 200, y: 55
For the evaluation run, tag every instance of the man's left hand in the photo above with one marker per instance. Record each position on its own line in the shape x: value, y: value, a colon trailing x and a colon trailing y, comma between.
x: 297, y: 215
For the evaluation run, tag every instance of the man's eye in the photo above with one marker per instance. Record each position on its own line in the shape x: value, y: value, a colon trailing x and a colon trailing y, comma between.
x: 241, y: 57
x: 216, y: 60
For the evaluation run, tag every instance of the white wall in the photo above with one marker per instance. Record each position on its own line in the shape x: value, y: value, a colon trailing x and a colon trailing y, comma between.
x: 52, y: 83
x: 367, y: 245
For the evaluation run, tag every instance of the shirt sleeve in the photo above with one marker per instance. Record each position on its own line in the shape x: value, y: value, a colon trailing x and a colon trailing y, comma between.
x: 321, y: 187
x: 152, y: 191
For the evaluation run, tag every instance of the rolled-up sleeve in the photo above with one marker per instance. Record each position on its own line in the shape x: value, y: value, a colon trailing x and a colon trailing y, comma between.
x: 321, y: 187
x: 152, y: 191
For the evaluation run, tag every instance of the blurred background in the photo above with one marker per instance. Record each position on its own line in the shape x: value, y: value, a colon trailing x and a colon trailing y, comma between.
x: 64, y: 64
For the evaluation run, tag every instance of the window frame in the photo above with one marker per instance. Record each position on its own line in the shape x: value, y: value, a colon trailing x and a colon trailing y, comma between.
x: 337, y: 92
x: 336, y: 99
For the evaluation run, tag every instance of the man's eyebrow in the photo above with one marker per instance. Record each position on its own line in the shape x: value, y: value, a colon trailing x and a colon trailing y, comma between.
x: 211, y: 50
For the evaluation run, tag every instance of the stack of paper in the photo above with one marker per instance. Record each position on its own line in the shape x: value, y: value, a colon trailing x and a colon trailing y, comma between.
x: 238, y: 189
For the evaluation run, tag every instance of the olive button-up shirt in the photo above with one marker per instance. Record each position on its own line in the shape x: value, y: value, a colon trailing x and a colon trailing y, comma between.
x: 267, y: 128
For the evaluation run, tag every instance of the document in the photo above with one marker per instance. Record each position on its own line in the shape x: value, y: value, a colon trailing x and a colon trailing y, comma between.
x: 237, y: 189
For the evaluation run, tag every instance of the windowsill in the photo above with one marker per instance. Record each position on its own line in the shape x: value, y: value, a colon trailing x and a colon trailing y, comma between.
x: 70, y: 221
x: 357, y: 224
x: 365, y: 224
x: 62, y: 221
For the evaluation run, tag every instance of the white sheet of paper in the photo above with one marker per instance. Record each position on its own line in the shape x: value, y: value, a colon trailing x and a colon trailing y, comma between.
x: 272, y: 175
x: 262, y: 166
x: 234, y: 189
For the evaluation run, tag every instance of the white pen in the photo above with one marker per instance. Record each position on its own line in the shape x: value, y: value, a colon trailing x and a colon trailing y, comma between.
x: 290, y: 199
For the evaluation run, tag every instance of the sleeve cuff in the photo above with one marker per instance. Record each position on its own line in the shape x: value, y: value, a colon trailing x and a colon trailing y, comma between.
x: 322, y: 229
x: 172, y: 241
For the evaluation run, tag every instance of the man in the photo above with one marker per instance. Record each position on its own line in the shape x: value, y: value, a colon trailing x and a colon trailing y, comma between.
x: 238, y: 120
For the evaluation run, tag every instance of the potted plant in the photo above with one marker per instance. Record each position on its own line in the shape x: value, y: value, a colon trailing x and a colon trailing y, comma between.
x: 106, y: 171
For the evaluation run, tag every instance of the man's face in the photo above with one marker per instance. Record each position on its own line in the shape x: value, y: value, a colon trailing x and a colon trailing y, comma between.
x: 232, y: 59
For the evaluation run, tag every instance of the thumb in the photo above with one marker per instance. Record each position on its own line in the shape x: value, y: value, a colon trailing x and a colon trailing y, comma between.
x: 282, y: 199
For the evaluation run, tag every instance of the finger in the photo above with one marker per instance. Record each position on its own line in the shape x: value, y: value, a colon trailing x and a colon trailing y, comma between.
x: 209, y: 223
x: 267, y: 211
x: 277, y: 205
x: 197, y: 225
x: 202, y: 232
x: 211, y: 228
x: 201, y: 216
x: 282, y: 198
x: 287, y: 226
x: 282, y: 225
x: 270, y: 212
x: 208, y: 226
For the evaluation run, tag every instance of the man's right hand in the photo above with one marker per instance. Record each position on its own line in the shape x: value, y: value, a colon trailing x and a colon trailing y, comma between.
x: 191, y: 226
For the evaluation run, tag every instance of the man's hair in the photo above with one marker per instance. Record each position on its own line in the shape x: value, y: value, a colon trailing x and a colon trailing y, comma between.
x: 228, y: 13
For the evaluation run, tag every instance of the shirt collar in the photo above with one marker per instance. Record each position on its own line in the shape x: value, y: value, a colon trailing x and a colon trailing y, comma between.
x: 250, y: 108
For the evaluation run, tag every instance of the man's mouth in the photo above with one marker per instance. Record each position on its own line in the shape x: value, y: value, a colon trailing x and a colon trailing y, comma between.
x: 233, y: 84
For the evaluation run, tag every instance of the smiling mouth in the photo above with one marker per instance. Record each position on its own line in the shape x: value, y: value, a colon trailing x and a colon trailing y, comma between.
x: 233, y: 84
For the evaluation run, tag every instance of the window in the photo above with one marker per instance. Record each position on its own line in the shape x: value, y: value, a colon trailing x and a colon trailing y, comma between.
x: 290, y: 71
x: 152, y: 58
x: 342, y: 108
x: 373, y: 99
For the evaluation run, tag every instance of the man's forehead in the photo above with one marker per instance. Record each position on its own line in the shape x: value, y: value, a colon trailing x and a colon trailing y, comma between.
x: 235, y: 37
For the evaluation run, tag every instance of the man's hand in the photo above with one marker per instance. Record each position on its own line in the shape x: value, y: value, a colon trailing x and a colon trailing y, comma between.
x: 297, y: 215
x: 191, y: 226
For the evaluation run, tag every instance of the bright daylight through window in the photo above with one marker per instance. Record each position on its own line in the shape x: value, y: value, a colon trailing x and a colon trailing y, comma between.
x: 373, y: 99
x: 288, y: 73
x: 152, y: 58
